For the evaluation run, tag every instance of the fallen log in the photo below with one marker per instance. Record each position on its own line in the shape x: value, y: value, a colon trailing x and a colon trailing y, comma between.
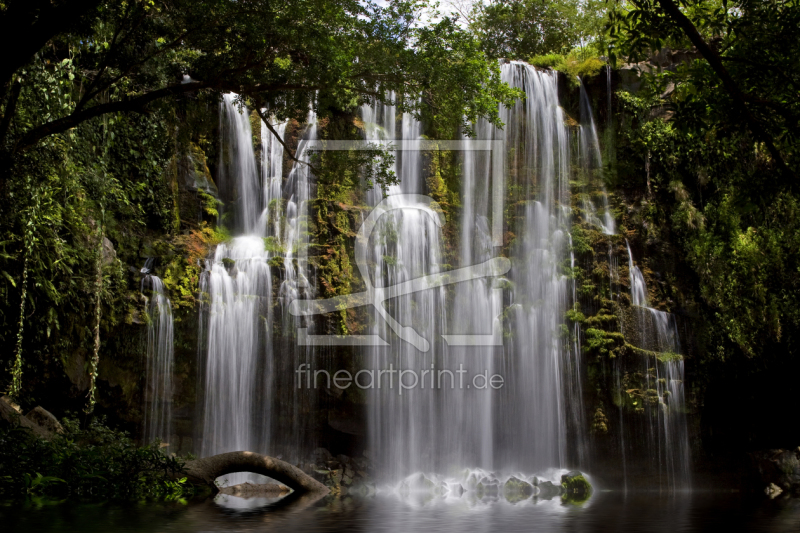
x: 208, y: 469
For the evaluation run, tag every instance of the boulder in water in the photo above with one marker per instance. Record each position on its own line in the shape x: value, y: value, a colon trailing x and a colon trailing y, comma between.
x: 772, y: 490
x: 418, y: 482
x: 548, y: 490
x: 576, y: 487
x: 488, y: 487
x: 516, y: 490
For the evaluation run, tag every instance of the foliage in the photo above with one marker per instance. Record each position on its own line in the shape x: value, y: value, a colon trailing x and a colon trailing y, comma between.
x: 755, y: 41
x: 519, y: 29
x: 101, y: 101
x: 96, y: 462
x: 707, y: 177
x: 574, y: 65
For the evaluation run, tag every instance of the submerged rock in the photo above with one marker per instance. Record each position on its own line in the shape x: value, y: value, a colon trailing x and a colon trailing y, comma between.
x: 773, y: 490
x: 488, y: 486
x: 416, y: 482
x: 516, y: 490
x: 548, y: 490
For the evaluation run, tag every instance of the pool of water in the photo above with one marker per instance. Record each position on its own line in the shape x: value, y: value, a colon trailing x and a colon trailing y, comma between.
x: 605, y: 511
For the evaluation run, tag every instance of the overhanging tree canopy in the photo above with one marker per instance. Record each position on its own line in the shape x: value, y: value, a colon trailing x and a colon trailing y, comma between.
x: 87, y: 58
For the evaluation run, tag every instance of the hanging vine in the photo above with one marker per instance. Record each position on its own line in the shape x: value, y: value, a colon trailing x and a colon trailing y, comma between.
x: 98, y: 289
x: 16, y: 372
x: 28, y: 241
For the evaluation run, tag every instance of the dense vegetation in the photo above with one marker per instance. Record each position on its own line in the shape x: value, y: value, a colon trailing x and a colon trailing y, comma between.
x: 101, y: 101
x: 92, y: 463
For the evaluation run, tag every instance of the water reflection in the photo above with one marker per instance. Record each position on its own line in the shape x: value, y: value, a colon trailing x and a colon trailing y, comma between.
x: 386, y: 512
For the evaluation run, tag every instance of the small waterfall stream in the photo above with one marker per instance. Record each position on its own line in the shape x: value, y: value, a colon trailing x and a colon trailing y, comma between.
x: 660, y: 378
x: 591, y: 162
x: 239, y: 317
x: 160, y: 363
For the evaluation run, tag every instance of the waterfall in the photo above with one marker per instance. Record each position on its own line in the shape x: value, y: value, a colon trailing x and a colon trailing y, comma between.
x: 591, y: 162
x: 529, y: 422
x: 405, y: 245
x: 238, y: 175
x: 272, y: 180
x: 542, y: 401
x: 241, y: 391
x: 513, y: 327
x: 638, y: 287
x: 158, y: 391
x: 661, y: 378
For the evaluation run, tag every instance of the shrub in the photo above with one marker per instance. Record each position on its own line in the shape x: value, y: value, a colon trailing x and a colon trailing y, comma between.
x: 92, y: 463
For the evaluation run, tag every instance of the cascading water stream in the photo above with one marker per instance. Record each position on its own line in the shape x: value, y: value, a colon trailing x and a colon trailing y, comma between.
x: 238, y: 319
x: 591, y: 161
x: 662, y: 381
x: 405, y: 245
x: 542, y: 400
x: 238, y: 174
x: 528, y: 424
x: 158, y: 391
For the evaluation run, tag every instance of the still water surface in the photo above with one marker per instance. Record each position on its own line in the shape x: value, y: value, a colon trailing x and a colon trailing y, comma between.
x: 605, y: 511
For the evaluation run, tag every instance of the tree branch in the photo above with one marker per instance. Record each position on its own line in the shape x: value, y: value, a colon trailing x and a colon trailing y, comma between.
x: 714, y: 60
x: 277, y: 136
x: 134, y: 104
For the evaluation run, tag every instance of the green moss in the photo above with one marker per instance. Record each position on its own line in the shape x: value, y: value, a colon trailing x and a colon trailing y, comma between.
x: 602, y: 318
x: 603, y: 343
x: 666, y: 357
x: 575, y: 64
x: 575, y: 316
x: 581, y: 242
x: 273, y: 245
x: 576, y: 488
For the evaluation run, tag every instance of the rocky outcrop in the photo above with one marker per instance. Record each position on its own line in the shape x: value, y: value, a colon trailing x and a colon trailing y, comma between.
x: 630, y: 74
x: 45, y: 419
x: 40, y: 422
x: 340, y: 473
x: 777, y: 470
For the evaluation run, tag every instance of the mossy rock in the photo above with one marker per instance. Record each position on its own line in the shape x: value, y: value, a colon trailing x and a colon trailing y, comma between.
x: 576, y: 488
